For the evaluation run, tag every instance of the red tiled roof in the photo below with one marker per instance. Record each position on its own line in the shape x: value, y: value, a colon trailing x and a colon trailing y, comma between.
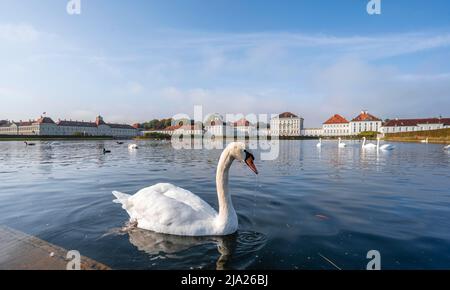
x: 336, y: 119
x: 172, y: 128
x: 184, y: 127
x: 287, y: 115
x: 415, y: 122
x: 365, y: 116
x: 242, y: 122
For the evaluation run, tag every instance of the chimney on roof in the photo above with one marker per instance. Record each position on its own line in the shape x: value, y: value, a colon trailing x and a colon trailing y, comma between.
x: 364, y: 112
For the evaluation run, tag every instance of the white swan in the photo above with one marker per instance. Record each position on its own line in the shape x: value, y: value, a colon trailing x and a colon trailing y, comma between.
x: 340, y: 144
x: 133, y: 146
x: 320, y: 143
x: 384, y: 147
x: 447, y: 147
x: 368, y: 146
x: 424, y: 141
x: 165, y: 208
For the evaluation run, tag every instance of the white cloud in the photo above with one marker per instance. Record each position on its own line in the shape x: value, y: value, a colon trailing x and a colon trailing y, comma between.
x: 18, y: 33
x: 350, y: 85
x: 135, y: 88
x: 314, y: 75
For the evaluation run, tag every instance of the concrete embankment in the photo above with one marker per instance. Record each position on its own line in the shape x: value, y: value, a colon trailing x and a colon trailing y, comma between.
x: 19, y: 251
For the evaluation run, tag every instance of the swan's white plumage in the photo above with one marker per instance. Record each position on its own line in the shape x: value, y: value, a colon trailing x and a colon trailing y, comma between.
x: 368, y: 146
x: 447, y: 147
x: 133, y: 146
x: 386, y: 147
x: 166, y: 208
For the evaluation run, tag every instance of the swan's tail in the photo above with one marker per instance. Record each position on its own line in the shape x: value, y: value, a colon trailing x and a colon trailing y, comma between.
x: 122, y: 198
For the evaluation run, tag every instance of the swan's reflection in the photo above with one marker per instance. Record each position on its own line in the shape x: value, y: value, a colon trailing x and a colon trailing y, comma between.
x: 240, y: 247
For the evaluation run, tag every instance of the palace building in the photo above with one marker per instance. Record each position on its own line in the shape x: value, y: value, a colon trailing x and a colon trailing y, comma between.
x: 413, y: 125
x: 45, y: 126
x: 365, y: 122
x: 286, y: 124
x: 336, y: 126
x: 339, y: 126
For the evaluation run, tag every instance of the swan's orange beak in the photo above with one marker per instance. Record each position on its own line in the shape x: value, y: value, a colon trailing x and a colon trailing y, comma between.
x: 249, y: 158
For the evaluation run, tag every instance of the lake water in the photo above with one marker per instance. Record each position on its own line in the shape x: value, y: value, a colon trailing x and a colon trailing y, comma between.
x: 306, y: 210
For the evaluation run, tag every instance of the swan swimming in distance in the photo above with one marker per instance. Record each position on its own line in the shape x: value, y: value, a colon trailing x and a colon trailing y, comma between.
x: 369, y: 145
x: 319, y: 145
x: 424, y: 141
x: 166, y: 208
x: 340, y: 144
x: 384, y: 147
x: 133, y: 146
x: 447, y: 147
x: 29, y: 144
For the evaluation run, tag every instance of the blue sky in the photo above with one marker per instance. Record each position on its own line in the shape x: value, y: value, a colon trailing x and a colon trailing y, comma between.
x: 137, y: 60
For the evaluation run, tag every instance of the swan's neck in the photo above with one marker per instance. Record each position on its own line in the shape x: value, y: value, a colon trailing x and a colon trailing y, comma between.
x: 364, y: 142
x: 227, y: 213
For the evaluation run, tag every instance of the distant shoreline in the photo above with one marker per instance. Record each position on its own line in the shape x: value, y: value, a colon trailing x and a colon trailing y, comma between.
x: 168, y: 137
x: 56, y: 138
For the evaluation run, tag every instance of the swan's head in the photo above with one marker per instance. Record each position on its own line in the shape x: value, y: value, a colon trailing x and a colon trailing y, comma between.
x: 240, y: 153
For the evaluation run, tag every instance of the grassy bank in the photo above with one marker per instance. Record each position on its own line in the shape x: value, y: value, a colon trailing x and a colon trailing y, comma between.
x: 434, y: 136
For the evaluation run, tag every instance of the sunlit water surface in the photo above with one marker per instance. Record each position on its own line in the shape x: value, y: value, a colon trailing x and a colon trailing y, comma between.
x: 308, y: 209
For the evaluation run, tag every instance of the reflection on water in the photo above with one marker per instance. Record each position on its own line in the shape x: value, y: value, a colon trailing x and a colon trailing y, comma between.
x: 242, y: 246
x: 307, y: 204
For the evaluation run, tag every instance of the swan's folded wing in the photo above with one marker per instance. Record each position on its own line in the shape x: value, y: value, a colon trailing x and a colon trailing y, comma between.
x: 184, y: 196
x: 164, y: 207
